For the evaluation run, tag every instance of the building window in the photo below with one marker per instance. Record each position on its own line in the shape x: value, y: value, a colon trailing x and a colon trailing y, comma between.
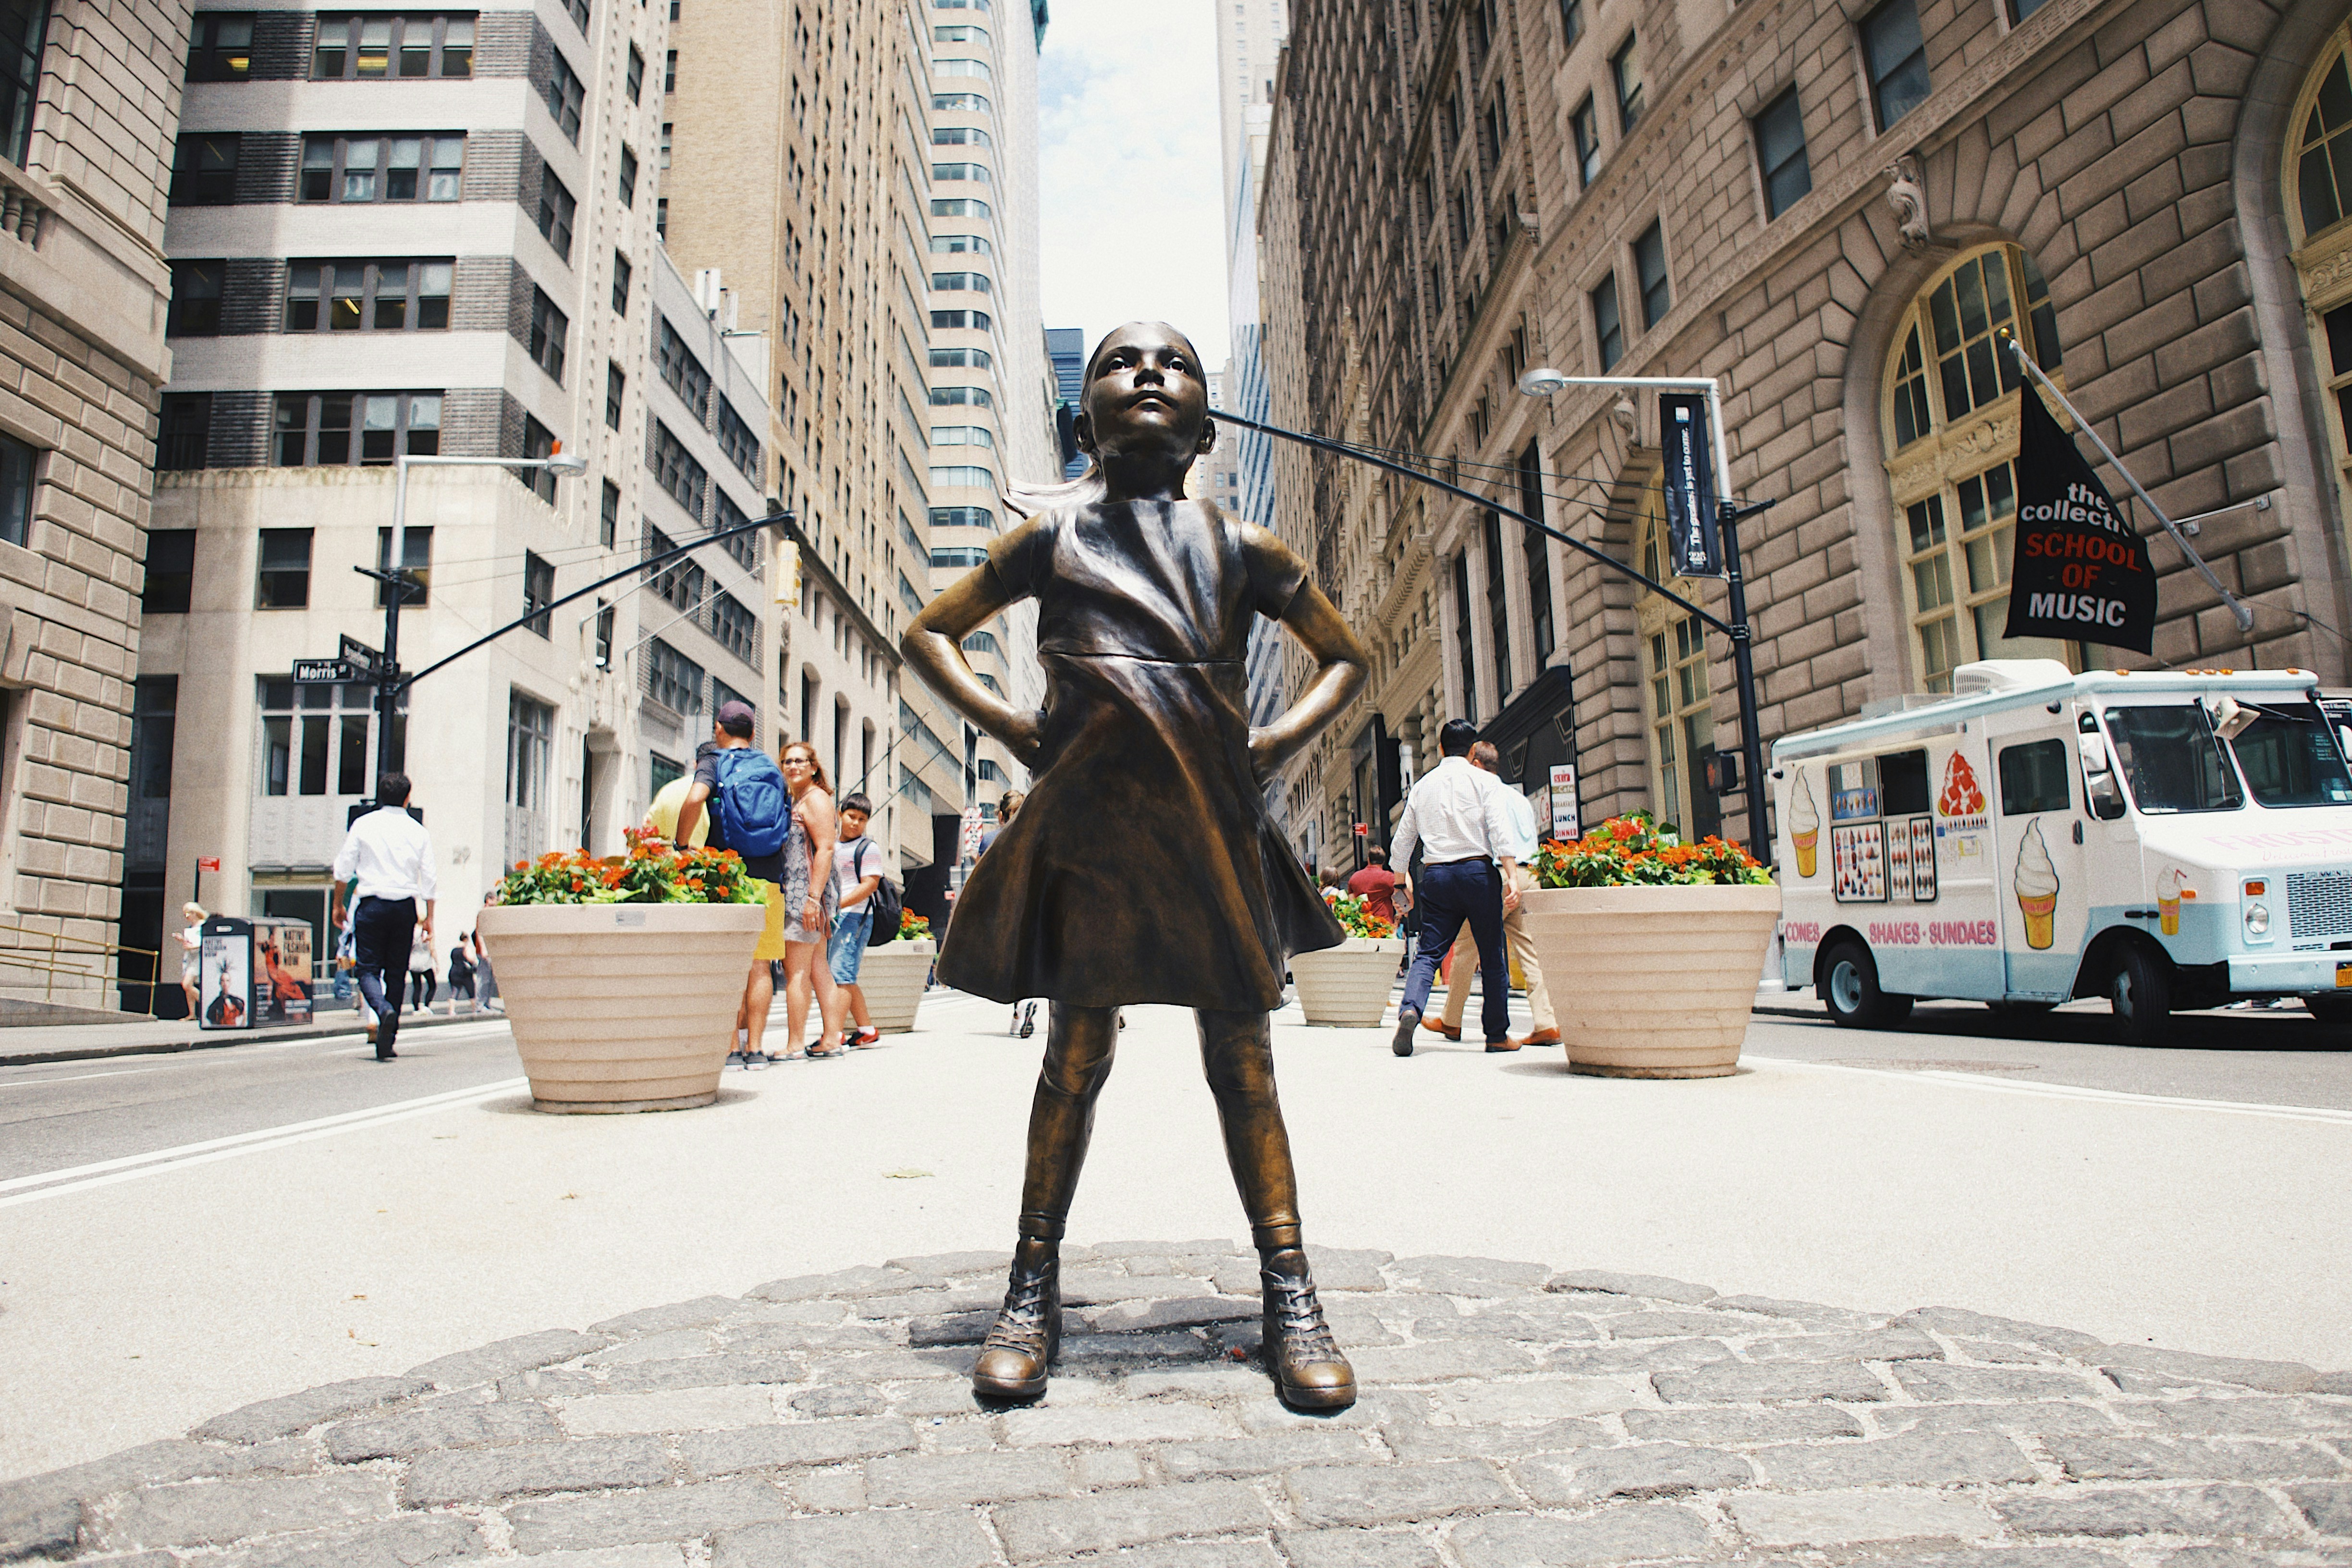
x: 1650, y: 268
x: 603, y: 635
x: 959, y: 396
x: 23, y: 33
x: 196, y: 299
x: 415, y: 566
x: 615, y: 385
x: 363, y: 48
x: 637, y: 78
x: 314, y: 736
x: 959, y: 34
x: 680, y: 584
x: 958, y: 136
x: 2320, y: 157
x: 2019, y: 10
x: 382, y: 168
x: 735, y: 628
x: 538, y: 441
x: 183, y: 431
x: 962, y: 517
x: 675, y: 469
x: 909, y: 597
x: 683, y: 372
x: 530, y: 739
x: 735, y: 439
x: 962, y: 435
x: 1780, y: 154
x: 1625, y: 70
x: 579, y: 9
x: 170, y: 571
x: 20, y: 465
x: 959, y: 103
x: 1674, y: 694
x: 961, y: 320
x: 367, y: 296
x: 548, y: 329
x: 284, y: 582
x: 1898, y: 60
x: 960, y: 206
x: 1608, y: 324
x: 628, y: 178
x: 1951, y: 375
x: 608, y: 522
x: 204, y: 169
x: 976, y: 172
x: 1465, y: 640
x: 1571, y: 24
x: 964, y: 476
x: 670, y: 71
x: 1499, y: 608
x: 958, y: 555
x: 538, y: 592
x: 976, y: 282
x: 673, y: 679
x: 745, y: 546
x: 1538, y: 556
x: 329, y: 429
x: 563, y: 94
x: 983, y: 642
x: 220, y: 49
x: 556, y: 209
x: 2318, y: 197
x: 665, y: 143
x: 1584, y: 130
x: 976, y: 69
x: 661, y: 217
x: 621, y: 274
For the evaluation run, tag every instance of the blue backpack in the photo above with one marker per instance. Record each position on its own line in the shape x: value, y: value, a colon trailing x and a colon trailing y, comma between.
x: 753, y: 811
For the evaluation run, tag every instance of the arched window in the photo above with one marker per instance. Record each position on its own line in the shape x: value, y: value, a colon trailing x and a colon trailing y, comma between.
x: 1951, y: 420
x: 2318, y: 189
x: 1675, y: 699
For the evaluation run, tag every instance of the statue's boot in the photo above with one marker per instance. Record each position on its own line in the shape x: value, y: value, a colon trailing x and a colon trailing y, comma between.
x: 1299, y: 1350
x: 1027, y: 1334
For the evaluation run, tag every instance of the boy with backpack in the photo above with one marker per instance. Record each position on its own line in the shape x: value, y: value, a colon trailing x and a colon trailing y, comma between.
x: 857, y: 873
x: 750, y: 813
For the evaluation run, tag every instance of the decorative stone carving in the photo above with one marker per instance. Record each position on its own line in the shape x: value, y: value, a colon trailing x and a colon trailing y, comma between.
x: 1908, y: 198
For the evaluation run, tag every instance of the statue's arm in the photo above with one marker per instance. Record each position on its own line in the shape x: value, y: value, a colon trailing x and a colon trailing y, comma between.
x: 1342, y: 664
x: 933, y: 647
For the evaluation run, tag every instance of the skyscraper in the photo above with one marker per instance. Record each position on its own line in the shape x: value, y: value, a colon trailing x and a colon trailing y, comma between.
x: 1066, y: 347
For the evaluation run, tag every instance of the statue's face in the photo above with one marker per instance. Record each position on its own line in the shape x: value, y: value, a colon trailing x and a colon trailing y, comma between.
x: 1145, y: 396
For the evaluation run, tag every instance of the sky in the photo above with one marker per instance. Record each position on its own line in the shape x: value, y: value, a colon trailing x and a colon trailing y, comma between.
x: 1130, y: 214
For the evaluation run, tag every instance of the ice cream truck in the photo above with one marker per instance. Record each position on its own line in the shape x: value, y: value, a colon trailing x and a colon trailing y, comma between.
x: 2164, y: 839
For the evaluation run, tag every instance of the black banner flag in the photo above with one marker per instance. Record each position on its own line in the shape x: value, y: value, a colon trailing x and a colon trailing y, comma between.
x: 2077, y: 570
x: 1694, y: 533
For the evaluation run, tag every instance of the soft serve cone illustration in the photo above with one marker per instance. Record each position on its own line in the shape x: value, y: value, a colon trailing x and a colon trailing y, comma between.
x: 2036, y: 885
x: 2168, y: 899
x: 1805, y: 827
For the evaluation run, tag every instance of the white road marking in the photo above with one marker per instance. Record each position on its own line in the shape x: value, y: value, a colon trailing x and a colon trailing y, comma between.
x: 2073, y: 1091
x: 77, y: 1078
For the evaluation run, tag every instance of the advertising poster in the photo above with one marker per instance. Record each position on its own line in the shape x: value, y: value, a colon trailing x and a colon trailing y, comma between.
x: 1567, y: 825
x: 2076, y: 568
x: 224, y: 980
x: 281, y: 980
x: 1694, y: 533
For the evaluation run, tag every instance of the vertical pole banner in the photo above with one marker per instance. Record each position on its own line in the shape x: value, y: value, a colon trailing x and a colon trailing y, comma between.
x: 1695, y: 544
x: 2077, y: 570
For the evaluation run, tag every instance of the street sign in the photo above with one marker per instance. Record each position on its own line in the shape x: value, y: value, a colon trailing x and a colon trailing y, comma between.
x: 323, y: 671
x: 354, y: 651
x: 208, y: 863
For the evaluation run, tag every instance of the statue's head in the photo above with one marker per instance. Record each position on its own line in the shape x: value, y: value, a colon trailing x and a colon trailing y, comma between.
x: 1146, y: 394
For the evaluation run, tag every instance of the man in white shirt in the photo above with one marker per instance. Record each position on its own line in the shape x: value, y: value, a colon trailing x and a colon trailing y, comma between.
x: 1456, y: 815
x: 391, y: 854
x: 1545, y: 1031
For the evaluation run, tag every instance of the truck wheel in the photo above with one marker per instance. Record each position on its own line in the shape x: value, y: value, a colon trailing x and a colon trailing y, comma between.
x: 1848, y: 987
x: 2332, y: 1012
x: 2140, y: 990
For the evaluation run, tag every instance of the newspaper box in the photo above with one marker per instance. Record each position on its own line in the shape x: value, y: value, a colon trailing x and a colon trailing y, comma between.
x: 253, y: 972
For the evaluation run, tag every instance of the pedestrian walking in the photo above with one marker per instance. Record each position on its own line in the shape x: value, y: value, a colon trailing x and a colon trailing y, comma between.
x: 483, y: 975
x: 1376, y: 885
x: 421, y: 983
x: 192, y: 949
x: 1455, y: 815
x: 390, y: 857
x: 740, y: 791
x: 1545, y: 1030
x: 856, y: 874
x: 810, y: 893
x: 461, y: 976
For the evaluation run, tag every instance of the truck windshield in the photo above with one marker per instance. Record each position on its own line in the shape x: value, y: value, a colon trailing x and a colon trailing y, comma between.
x: 2170, y: 759
x: 2290, y: 758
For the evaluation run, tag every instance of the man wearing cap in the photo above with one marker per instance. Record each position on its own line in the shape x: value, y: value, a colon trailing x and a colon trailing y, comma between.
x: 734, y: 728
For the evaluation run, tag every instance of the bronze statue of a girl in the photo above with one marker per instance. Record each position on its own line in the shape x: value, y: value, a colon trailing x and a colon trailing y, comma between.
x: 1149, y: 778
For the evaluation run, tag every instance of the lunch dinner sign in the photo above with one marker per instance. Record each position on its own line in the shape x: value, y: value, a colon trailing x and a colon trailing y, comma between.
x: 2077, y: 570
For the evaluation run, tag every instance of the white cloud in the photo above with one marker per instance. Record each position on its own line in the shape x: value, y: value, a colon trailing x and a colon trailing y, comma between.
x: 1131, y: 222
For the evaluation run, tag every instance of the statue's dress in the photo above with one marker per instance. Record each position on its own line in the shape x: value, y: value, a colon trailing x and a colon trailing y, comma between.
x: 1142, y: 866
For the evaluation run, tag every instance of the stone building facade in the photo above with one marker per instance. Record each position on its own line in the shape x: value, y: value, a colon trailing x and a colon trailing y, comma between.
x: 1838, y: 208
x: 89, y: 97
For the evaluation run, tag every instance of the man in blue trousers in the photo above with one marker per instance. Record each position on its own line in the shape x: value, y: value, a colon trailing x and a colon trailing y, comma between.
x: 1456, y: 816
x: 390, y: 857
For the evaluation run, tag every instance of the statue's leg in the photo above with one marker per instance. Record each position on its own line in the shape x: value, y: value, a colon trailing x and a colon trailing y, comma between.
x: 1237, y: 1055
x: 1079, y: 1044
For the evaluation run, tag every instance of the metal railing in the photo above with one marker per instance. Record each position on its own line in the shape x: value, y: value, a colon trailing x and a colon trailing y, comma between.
x: 52, y: 954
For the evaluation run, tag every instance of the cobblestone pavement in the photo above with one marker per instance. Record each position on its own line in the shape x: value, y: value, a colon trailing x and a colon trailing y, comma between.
x: 1511, y: 1415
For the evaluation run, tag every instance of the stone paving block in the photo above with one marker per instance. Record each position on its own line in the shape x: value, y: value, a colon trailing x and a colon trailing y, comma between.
x: 750, y: 1316
x: 1637, y: 1361
x: 1740, y: 1428
x: 1833, y: 1519
x: 2243, y: 1417
x: 1960, y: 1320
x: 936, y: 1397
x: 1184, y: 1312
x: 672, y: 1345
x: 1789, y: 1382
x: 1334, y: 1268
x: 443, y: 1426
x: 1995, y: 1352
x: 1193, y: 1382
x: 1609, y: 1282
x: 731, y: 1369
x: 642, y: 1556
x: 1098, y: 1468
x: 2033, y: 1419
x: 1092, y: 1289
x: 931, y: 1479
x: 1052, y: 1426
x: 1534, y: 1399
x: 837, y: 1489
x: 1353, y: 1495
x: 1890, y: 1344
x: 954, y: 1263
x: 844, y: 1284
x: 691, y: 1314
x: 47, y: 1531
x: 505, y: 1357
x: 2329, y: 1506
x: 1414, y: 1441
x: 2012, y: 1557
x: 155, y: 1464
x: 1646, y: 1471
x: 1919, y: 1459
x: 1431, y: 1362
x: 1104, y: 1522
x: 1360, y: 1547
x: 1214, y: 1247
x: 1078, y: 1350
x: 1229, y: 1552
x: 2270, y: 1376
x: 1812, y: 1314
x: 933, y: 1538
x: 201, y: 1513
x: 1200, y: 1265
x: 932, y: 1303
x: 2333, y: 1383
x: 270, y: 1418
x: 2226, y: 1511
x: 1931, y: 1383
x: 1501, y: 1325
x: 1263, y: 1455
x: 2190, y: 1458
x: 888, y: 1366
x: 659, y: 1513
x: 1446, y: 1275
x: 686, y: 1410
x: 2216, y: 1557
x: 407, y: 1542
x: 835, y: 1400
x: 1683, y: 1323
x: 484, y: 1474
x: 1627, y: 1532
x: 1267, y: 1413
x: 708, y: 1454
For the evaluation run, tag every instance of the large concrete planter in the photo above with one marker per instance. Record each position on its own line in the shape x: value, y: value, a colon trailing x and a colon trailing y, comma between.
x: 1346, y: 986
x: 893, y: 977
x: 622, y: 1006
x: 1652, y: 982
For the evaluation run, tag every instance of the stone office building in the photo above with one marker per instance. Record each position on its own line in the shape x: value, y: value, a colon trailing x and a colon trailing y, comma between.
x: 1840, y: 208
